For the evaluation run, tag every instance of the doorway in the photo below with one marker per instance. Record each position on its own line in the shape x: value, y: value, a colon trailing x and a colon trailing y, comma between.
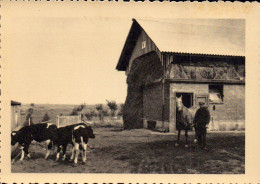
x: 187, y: 99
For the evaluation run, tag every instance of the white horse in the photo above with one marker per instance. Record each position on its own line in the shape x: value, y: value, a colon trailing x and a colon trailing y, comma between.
x: 184, y: 120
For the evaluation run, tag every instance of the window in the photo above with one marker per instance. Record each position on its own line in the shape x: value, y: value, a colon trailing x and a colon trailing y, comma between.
x: 216, y: 94
x: 143, y: 44
x: 202, y: 98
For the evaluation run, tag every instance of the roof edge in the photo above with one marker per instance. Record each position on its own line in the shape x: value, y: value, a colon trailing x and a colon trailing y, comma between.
x: 13, y: 103
x: 128, y: 46
x: 201, y: 54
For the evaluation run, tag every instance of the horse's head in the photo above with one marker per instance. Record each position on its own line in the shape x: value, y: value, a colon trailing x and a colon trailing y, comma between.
x: 179, y: 104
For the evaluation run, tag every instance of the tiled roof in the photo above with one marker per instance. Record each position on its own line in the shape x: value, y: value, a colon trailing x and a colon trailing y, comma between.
x: 198, y: 36
x: 220, y: 37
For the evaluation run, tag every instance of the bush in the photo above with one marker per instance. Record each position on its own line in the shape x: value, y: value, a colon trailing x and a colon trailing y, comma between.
x: 46, y: 117
x: 90, y: 114
x: 105, y: 112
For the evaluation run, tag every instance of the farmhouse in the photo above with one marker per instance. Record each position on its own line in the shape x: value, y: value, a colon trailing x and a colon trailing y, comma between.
x: 200, y: 60
x: 15, y: 114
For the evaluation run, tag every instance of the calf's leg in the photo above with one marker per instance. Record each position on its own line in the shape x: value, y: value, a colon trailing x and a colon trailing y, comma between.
x: 58, y: 153
x: 76, y: 147
x: 72, y: 153
x: 22, y: 153
x: 84, y: 153
x: 64, y: 148
x: 49, y: 146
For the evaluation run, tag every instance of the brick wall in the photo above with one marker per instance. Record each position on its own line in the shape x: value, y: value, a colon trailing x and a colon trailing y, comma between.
x: 233, y: 108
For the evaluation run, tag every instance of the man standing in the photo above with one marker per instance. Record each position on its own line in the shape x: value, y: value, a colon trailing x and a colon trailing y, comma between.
x: 201, y: 120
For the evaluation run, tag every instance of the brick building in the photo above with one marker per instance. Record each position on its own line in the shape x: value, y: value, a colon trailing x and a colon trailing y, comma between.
x: 200, y: 60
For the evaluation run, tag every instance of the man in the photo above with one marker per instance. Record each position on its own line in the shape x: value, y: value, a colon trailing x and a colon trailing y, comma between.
x: 201, y: 120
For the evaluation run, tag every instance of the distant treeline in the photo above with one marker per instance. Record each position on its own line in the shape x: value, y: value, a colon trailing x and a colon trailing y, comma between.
x: 35, y: 113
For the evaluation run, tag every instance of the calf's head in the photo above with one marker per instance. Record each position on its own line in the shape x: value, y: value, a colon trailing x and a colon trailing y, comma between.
x: 14, y: 138
x: 90, y: 132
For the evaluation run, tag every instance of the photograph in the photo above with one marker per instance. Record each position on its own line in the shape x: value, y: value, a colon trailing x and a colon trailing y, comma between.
x: 127, y: 94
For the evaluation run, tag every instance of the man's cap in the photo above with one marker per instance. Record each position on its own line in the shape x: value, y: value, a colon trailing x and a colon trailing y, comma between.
x: 201, y: 103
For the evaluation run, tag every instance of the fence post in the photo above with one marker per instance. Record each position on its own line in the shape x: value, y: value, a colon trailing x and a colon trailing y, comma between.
x: 58, y: 122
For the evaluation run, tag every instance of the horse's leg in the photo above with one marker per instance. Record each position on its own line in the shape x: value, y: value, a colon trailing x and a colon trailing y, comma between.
x: 196, y: 136
x: 186, y: 135
x: 178, y: 139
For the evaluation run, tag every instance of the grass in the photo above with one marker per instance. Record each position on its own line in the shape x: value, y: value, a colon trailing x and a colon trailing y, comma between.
x: 138, y: 151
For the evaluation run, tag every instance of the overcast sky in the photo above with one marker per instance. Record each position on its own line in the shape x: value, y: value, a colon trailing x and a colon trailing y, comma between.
x: 68, y: 59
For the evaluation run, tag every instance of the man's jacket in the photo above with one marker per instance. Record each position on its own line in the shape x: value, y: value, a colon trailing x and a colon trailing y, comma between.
x: 202, y: 117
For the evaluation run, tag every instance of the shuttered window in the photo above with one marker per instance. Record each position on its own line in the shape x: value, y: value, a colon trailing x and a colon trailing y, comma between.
x: 216, y: 94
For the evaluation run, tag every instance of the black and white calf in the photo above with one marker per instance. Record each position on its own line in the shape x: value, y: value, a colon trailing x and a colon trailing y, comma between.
x: 77, y: 134
x: 38, y: 132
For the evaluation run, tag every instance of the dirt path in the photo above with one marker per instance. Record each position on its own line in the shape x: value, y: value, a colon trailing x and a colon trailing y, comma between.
x: 139, y: 151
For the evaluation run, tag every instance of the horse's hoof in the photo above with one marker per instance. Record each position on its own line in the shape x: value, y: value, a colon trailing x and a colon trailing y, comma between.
x: 20, y: 162
x: 176, y: 144
x: 74, y: 165
x: 84, y: 163
x: 186, y: 146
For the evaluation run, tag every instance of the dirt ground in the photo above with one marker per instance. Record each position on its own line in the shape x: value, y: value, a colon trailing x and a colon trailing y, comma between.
x: 140, y: 151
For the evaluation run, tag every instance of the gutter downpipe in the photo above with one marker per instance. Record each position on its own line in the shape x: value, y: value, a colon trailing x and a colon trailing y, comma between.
x: 163, y: 81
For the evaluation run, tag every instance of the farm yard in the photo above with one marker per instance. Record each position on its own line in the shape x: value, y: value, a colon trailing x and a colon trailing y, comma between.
x: 143, y: 151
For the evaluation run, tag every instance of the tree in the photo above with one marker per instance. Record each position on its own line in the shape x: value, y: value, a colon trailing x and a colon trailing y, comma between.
x: 99, y: 108
x: 78, y: 109
x: 74, y: 111
x: 46, y: 117
x: 81, y: 107
x: 113, y: 107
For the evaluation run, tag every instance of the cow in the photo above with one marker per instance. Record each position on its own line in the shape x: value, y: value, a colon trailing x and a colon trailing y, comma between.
x: 37, y: 132
x: 77, y: 134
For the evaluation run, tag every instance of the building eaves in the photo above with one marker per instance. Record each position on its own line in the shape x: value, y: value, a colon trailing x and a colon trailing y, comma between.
x: 13, y: 103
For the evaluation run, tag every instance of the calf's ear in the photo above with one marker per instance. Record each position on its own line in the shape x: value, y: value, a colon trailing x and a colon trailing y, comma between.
x: 13, y: 133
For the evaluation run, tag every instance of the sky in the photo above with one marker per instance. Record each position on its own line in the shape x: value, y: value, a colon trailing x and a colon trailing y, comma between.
x: 68, y: 55
x: 67, y: 60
